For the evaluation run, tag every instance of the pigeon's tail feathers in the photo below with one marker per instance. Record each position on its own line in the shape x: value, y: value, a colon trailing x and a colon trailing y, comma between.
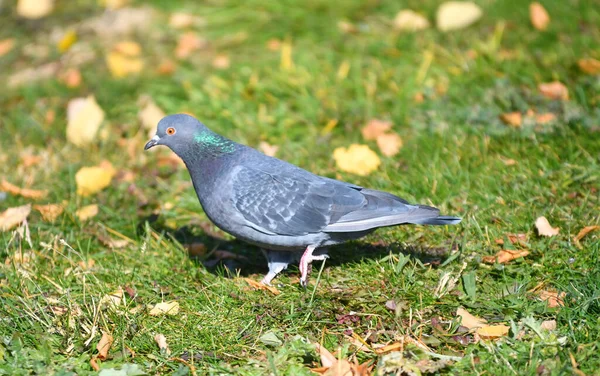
x: 440, y: 221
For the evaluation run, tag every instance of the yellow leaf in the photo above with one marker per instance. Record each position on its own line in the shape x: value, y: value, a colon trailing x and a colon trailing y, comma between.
x: 514, y: 119
x: 49, y: 212
x: 588, y: 65
x: 539, y: 16
x: 454, y: 15
x: 84, y: 117
x: 554, y: 90
x: 375, y: 128
x: 34, y: 9
x: 87, y: 212
x: 12, y: 217
x: 25, y: 192
x: 492, y: 331
x: 357, y: 159
x: 286, y: 56
x: 124, y: 59
x: 389, y: 144
x: 544, y: 228
x: 165, y: 308
x: 468, y: 320
x: 150, y: 114
x: 6, y: 45
x: 128, y: 48
x: 67, y: 41
x: 408, y: 20
x: 93, y: 179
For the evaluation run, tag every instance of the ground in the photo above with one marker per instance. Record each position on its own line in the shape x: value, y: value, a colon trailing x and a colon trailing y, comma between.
x: 306, y: 77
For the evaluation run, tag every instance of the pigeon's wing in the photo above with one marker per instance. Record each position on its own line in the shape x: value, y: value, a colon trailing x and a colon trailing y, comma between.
x: 290, y: 201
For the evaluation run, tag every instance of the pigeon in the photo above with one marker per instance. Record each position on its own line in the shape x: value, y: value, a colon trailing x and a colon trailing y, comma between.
x: 288, y: 212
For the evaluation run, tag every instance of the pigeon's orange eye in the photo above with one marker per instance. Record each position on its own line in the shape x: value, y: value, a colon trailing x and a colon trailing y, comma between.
x: 171, y: 131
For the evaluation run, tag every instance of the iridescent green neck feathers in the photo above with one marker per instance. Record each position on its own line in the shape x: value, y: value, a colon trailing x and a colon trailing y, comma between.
x: 213, y: 143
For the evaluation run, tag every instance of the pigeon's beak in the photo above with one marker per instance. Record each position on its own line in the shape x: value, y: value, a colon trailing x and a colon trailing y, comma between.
x: 153, y: 141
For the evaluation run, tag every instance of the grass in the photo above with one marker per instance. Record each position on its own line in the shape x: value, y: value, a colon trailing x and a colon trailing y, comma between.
x: 454, y: 157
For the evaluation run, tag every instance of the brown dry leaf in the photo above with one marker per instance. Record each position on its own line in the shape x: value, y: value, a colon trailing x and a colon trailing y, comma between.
x: 111, y: 242
x: 221, y: 62
x: 104, y: 345
x: 455, y: 15
x: 514, y: 239
x: 150, y: 114
x: 12, y: 217
x: 356, y: 159
x: 125, y: 59
x: 492, y: 331
x: 508, y: 161
x: 584, y: 231
x: 545, y: 118
x: 262, y: 286
x: 505, y: 256
x: 161, y: 341
x: 539, y: 16
x: 34, y: 9
x: 50, y: 212
x: 188, y: 43
x: 554, y: 90
x: 196, y: 249
x: 87, y: 212
x: 84, y: 117
x: 468, y: 320
x: 341, y: 368
x: 71, y: 78
x: 587, y: 65
x: 514, y: 119
x: 327, y: 358
x: 548, y: 325
x: 166, y: 68
x: 375, y: 128
x: 164, y: 308
x: 408, y: 20
x: 396, y: 346
x: 389, y: 144
x: 86, y: 265
x: 552, y: 298
x: 91, y: 180
x: 274, y: 44
x: 268, y: 149
x: 544, y: 228
x: 6, y: 45
x: 25, y: 192
x: 113, y: 299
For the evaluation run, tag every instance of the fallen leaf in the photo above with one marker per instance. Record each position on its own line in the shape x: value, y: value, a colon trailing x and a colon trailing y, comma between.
x: 356, y: 159
x: 165, y: 308
x: 196, y: 249
x: 261, y: 286
x: 327, y: 358
x: 375, y: 128
x: 514, y: 119
x: 584, y: 231
x: 389, y: 144
x: 468, y: 320
x: 34, y: 9
x: 181, y: 20
x: 505, y: 256
x: 492, y: 331
x: 150, y: 114
x: 419, y: 97
x: 514, y: 239
x: 554, y: 90
x: 396, y: 346
x: 113, y: 299
x: 544, y: 228
x: 221, y: 62
x: 587, y: 65
x: 408, y: 20
x: 124, y: 59
x: 341, y: 368
x: 6, y: 45
x: 161, y: 341
x: 49, y: 212
x: 25, y: 192
x: 188, y: 43
x: 346, y: 27
x: 71, y: 78
x: 286, y: 56
x: 111, y: 242
x: 84, y: 117
x: 508, y: 161
x: 545, y: 118
x: 454, y: 15
x: 268, y: 149
x: 539, y: 16
x: 104, y: 345
x: 12, y: 217
x: 166, y: 68
x: 87, y: 212
x: 548, y: 325
x: 67, y: 40
x: 86, y: 264
x: 552, y: 298
x: 29, y: 76
x: 274, y: 44
x: 91, y: 180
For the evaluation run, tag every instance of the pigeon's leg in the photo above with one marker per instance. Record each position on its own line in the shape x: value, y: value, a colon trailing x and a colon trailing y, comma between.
x: 306, y: 259
x: 278, y: 262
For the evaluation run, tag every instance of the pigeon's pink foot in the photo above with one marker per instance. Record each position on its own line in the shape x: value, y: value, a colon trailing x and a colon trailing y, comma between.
x: 307, y: 258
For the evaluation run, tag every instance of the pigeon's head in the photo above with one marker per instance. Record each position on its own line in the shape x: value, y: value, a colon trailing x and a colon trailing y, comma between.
x: 176, y: 131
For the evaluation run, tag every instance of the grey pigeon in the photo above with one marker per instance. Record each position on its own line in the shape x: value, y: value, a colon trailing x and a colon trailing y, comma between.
x: 283, y: 209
